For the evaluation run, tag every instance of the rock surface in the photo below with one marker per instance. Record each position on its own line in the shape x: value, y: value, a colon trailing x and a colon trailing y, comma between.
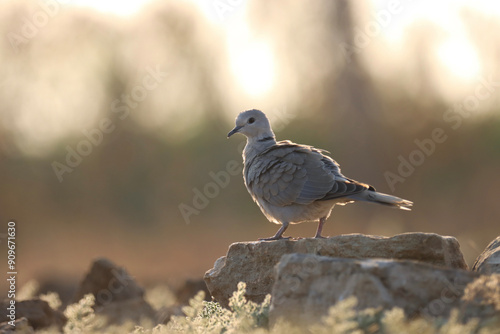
x: 37, y: 312
x: 117, y: 295
x: 253, y: 262
x: 489, y: 260
x: 20, y: 326
x: 108, y: 283
x: 307, y: 285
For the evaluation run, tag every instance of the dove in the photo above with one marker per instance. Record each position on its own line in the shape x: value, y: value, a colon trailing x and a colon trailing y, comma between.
x: 293, y: 183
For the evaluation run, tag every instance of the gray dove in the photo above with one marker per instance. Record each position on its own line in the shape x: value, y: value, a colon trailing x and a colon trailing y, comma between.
x: 294, y: 183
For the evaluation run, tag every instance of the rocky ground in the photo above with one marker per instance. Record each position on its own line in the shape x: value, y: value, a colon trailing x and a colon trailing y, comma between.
x: 423, y: 274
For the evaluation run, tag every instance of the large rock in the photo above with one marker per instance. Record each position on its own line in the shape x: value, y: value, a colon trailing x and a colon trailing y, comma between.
x: 117, y: 295
x: 253, y: 262
x: 308, y: 285
x: 489, y: 260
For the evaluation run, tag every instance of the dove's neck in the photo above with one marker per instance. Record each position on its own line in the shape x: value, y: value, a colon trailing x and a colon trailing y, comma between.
x: 257, y: 145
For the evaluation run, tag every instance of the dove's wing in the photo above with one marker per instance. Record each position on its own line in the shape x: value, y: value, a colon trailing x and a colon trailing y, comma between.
x: 288, y: 173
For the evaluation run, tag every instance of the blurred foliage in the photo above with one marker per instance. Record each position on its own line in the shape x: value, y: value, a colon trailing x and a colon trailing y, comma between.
x: 248, y: 317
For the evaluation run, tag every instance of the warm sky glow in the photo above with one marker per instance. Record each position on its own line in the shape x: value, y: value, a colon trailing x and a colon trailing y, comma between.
x: 252, y: 64
x: 460, y: 58
x: 246, y: 53
x: 252, y: 60
x: 455, y: 52
x: 122, y: 8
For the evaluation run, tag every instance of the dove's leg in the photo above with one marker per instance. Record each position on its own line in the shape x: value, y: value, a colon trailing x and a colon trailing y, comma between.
x: 320, y: 228
x: 279, y: 234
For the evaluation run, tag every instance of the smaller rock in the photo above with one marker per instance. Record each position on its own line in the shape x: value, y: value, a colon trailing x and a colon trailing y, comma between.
x: 489, y: 260
x: 37, y: 312
x: 117, y: 295
x: 20, y: 326
x: 108, y: 283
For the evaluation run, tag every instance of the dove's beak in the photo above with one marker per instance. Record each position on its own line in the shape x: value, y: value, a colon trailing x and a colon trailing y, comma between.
x: 235, y: 130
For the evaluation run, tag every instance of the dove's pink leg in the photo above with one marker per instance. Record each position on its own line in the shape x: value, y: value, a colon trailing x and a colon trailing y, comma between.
x: 278, y: 235
x: 320, y: 228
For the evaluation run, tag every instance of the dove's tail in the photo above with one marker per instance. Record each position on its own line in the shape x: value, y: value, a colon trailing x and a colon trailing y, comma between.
x: 380, y: 198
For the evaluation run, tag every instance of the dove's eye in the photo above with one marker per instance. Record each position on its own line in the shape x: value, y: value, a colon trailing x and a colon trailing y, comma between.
x: 251, y: 120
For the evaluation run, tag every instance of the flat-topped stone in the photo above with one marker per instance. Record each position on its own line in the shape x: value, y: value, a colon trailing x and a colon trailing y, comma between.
x: 253, y: 262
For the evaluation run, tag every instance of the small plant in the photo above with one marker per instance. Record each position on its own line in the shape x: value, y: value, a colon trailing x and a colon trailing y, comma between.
x: 52, y: 299
x: 209, y: 317
x: 28, y: 291
x: 394, y: 322
x: 81, y: 316
x: 243, y: 316
x: 249, y: 314
x: 342, y: 318
x: 160, y: 296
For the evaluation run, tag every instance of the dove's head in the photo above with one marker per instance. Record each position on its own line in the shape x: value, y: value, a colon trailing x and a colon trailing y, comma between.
x: 253, y: 124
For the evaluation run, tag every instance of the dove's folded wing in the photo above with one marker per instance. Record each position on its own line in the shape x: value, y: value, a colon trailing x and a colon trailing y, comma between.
x: 289, y: 173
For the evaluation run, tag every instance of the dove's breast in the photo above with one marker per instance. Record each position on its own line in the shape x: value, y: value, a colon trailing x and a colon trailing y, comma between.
x: 296, y: 213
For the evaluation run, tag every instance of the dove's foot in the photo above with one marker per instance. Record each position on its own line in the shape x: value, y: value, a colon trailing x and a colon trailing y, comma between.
x: 279, y: 234
x: 274, y: 238
x: 320, y: 237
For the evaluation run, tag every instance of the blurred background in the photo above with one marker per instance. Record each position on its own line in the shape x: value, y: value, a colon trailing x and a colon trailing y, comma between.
x: 114, y: 117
